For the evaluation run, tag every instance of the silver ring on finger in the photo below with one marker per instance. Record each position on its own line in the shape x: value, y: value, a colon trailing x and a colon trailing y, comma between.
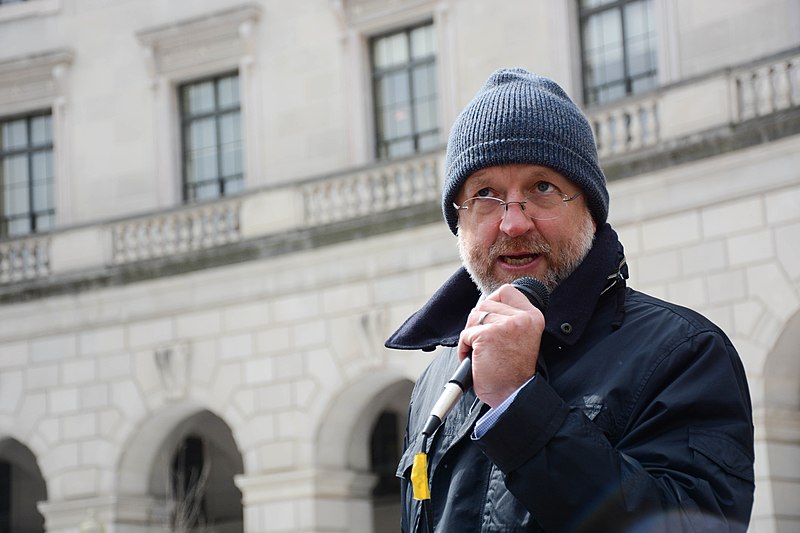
x: 483, y: 316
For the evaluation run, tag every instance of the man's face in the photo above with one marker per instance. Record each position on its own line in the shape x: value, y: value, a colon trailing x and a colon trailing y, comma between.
x: 498, y: 250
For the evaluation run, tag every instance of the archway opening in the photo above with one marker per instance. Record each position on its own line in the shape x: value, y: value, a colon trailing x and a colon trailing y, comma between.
x: 386, y: 447
x: 21, y: 488
x: 193, y: 474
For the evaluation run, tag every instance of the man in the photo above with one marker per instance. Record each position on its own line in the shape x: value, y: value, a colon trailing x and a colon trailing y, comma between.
x: 613, y: 410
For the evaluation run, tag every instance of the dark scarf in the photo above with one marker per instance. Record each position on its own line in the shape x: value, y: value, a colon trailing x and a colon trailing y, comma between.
x: 602, y: 273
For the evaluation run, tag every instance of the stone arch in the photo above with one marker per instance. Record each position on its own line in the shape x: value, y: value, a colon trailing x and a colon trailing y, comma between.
x: 778, y: 441
x: 19, y: 469
x: 343, y: 442
x: 146, y: 463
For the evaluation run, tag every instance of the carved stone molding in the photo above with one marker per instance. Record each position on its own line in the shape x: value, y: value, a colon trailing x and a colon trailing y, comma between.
x: 33, y: 82
x: 209, y: 43
x: 173, y: 362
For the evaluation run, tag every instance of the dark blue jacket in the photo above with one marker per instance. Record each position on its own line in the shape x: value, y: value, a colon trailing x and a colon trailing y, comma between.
x: 639, y: 418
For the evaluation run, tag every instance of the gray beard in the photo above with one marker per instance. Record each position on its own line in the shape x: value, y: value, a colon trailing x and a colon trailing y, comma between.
x: 479, y: 265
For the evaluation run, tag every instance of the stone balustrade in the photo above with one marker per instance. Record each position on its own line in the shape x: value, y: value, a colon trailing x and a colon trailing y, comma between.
x: 190, y: 228
x: 24, y: 259
x: 373, y: 190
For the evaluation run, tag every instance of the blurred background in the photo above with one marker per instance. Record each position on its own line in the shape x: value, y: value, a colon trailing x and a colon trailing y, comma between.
x: 212, y: 213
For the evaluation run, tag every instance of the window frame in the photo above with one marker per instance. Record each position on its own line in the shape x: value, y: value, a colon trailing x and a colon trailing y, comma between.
x: 217, y: 114
x: 29, y: 150
x: 380, y: 143
x: 590, y: 92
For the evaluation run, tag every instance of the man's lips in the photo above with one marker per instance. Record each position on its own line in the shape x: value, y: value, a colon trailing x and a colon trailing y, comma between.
x: 516, y: 260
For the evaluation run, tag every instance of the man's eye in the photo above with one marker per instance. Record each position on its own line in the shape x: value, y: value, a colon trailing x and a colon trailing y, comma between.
x: 486, y: 191
x: 544, y: 187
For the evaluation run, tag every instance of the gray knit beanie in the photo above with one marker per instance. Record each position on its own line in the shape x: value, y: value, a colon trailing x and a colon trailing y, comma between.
x: 519, y: 117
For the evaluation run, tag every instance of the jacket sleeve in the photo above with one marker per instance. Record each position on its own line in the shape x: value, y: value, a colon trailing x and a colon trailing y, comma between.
x: 683, y: 460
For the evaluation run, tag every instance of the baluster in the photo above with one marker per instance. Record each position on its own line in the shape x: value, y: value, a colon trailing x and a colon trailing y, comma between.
x: 764, y: 91
x: 419, y: 185
x: 793, y: 76
x: 127, y: 243
x: 634, y: 114
x: 747, y: 95
x: 206, y: 217
x: 406, y: 187
x: 310, y: 204
x: 650, y: 119
x: 606, y: 137
x: 350, y: 196
x: 380, y: 185
x: 3, y: 264
x: 170, y: 234
x: 43, y: 257
x: 783, y: 97
x: 620, y: 132
x: 235, y: 215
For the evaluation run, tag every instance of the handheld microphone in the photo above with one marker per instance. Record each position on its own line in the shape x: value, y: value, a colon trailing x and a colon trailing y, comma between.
x: 538, y: 295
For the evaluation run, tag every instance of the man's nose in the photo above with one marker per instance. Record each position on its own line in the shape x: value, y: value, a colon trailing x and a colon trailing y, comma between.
x: 515, y: 220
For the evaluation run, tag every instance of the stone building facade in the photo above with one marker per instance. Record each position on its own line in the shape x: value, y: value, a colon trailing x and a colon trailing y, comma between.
x: 157, y: 324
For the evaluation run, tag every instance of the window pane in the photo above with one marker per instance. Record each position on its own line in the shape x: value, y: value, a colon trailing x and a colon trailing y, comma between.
x: 400, y: 148
x: 428, y: 141
x: 198, y: 98
x: 230, y: 129
x: 228, y: 92
x: 423, y: 82
x: 640, y: 38
x: 42, y: 197
x: 45, y: 222
x: 15, y: 170
x: 234, y: 185
x: 19, y: 226
x: 41, y: 130
x: 201, y: 165
x: 425, y: 115
x: 422, y: 42
x: 206, y: 191
x: 17, y: 201
x: 391, y: 50
x: 15, y: 135
x: 42, y: 165
x: 202, y: 134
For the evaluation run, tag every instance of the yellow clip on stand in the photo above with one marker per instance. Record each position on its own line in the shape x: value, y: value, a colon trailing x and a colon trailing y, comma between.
x: 419, y: 477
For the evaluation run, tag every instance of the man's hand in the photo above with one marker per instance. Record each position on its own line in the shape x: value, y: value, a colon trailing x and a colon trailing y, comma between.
x: 504, y: 346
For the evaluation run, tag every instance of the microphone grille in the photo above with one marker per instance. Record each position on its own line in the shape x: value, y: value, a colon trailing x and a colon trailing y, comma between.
x: 535, y: 291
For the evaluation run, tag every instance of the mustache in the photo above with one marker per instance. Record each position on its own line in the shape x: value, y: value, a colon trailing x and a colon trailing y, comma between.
x: 519, y: 245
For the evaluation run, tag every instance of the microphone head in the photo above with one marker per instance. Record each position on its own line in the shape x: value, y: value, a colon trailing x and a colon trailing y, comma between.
x: 535, y: 291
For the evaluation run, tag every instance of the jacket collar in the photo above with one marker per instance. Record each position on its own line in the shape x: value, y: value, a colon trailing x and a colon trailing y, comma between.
x: 440, y: 321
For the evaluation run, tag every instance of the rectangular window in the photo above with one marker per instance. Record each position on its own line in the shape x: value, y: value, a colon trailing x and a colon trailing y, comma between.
x: 618, y: 44
x: 404, y: 92
x: 212, y: 138
x: 26, y: 175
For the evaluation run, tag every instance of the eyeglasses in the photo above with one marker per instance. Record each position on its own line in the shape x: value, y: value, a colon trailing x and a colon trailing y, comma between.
x: 538, y: 205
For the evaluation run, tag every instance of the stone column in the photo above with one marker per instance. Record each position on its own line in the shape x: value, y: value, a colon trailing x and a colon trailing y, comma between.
x: 307, y: 501
x: 106, y: 514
